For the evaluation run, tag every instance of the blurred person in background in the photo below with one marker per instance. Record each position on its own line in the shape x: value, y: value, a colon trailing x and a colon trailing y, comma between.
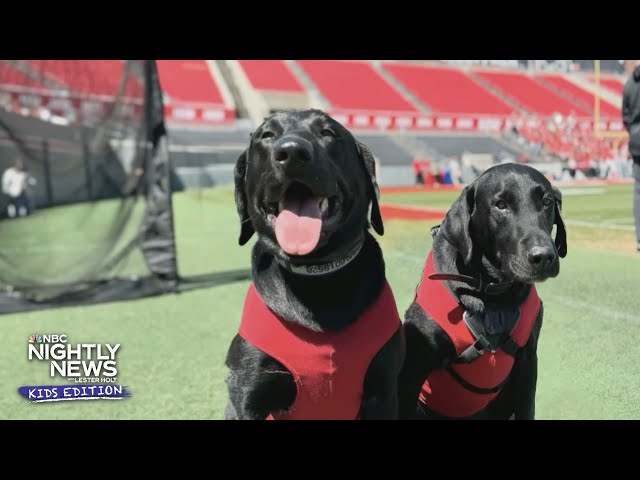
x: 624, y: 165
x: 571, y: 122
x: 417, y: 170
x: 455, y: 170
x: 631, y: 119
x: 14, y: 184
x: 422, y: 170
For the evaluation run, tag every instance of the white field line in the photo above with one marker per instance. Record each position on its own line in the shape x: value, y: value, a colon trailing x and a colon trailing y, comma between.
x: 582, y: 191
x: 619, y: 220
x: 606, y: 311
x: 604, y: 225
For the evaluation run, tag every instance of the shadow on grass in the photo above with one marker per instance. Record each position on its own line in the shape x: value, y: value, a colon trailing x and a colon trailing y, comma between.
x: 15, y: 300
x: 209, y: 280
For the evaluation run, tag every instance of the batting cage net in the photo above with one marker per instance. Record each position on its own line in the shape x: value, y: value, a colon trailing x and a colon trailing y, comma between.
x: 85, y: 206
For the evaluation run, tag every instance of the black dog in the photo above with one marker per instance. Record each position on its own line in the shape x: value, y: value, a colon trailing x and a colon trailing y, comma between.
x: 493, y: 245
x: 305, y: 186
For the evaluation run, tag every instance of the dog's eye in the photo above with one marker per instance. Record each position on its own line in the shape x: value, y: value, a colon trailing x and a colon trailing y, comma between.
x: 266, y: 135
x: 547, y: 201
x: 327, y: 133
x: 501, y: 205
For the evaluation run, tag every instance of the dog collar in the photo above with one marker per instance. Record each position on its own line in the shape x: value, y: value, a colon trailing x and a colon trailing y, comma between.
x: 317, y: 269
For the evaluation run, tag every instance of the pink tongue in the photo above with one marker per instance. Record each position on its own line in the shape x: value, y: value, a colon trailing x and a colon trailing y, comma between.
x: 298, y: 225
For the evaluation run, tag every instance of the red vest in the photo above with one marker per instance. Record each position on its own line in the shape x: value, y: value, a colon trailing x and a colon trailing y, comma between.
x: 441, y: 392
x: 328, y: 367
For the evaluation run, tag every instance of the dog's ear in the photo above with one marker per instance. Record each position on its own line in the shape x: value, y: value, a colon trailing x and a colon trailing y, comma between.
x: 370, y: 166
x: 239, y: 174
x: 455, y: 226
x: 561, y: 231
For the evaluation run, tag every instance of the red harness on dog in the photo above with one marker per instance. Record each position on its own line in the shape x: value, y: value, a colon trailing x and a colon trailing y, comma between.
x: 328, y: 367
x: 467, y: 385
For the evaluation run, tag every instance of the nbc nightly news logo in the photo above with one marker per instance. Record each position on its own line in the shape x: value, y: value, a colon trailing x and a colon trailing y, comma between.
x: 91, y: 363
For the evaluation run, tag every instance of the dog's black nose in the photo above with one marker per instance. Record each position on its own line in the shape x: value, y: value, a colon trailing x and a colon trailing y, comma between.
x: 541, y: 257
x: 292, y: 151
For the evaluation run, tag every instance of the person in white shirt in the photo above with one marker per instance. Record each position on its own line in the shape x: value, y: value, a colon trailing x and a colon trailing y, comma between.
x: 14, y: 184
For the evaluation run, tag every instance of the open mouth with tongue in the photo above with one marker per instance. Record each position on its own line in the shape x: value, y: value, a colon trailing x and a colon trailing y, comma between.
x: 299, y: 217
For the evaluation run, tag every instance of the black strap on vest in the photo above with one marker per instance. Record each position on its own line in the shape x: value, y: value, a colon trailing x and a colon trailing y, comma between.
x: 510, y: 347
x: 472, y: 388
x: 474, y: 351
x: 478, y: 329
x: 489, y: 336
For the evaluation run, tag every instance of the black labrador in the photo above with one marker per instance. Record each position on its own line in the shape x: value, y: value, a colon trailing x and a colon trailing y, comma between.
x: 498, y: 232
x: 305, y: 161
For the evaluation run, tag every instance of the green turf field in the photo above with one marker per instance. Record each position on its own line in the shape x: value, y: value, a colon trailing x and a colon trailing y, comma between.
x: 173, y: 347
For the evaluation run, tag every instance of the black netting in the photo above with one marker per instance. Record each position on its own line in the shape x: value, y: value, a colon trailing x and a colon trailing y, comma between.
x: 85, y: 205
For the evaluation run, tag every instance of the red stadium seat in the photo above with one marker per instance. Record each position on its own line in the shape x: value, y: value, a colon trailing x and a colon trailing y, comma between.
x: 354, y: 85
x: 574, y: 91
x: 10, y: 75
x: 530, y: 94
x: 613, y: 84
x: 188, y: 81
x: 271, y: 75
x: 447, y: 90
x: 97, y: 77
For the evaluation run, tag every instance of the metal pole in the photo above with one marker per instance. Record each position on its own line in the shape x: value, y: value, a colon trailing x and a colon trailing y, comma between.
x: 47, y: 172
x: 86, y: 156
x: 596, y: 101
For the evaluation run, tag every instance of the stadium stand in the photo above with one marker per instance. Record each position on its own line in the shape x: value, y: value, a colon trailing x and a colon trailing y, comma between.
x: 580, y: 95
x: 614, y: 84
x: 395, y: 107
x: 192, y: 93
x: 271, y: 75
x: 447, y: 90
x: 533, y: 96
x: 188, y: 81
x: 70, y: 91
x: 369, y: 96
x: 265, y: 86
x: 568, y: 142
x: 85, y: 77
x: 354, y: 85
x: 12, y: 76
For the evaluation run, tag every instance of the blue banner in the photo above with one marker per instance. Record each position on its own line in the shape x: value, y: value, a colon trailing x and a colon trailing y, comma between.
x: 58, y: 393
